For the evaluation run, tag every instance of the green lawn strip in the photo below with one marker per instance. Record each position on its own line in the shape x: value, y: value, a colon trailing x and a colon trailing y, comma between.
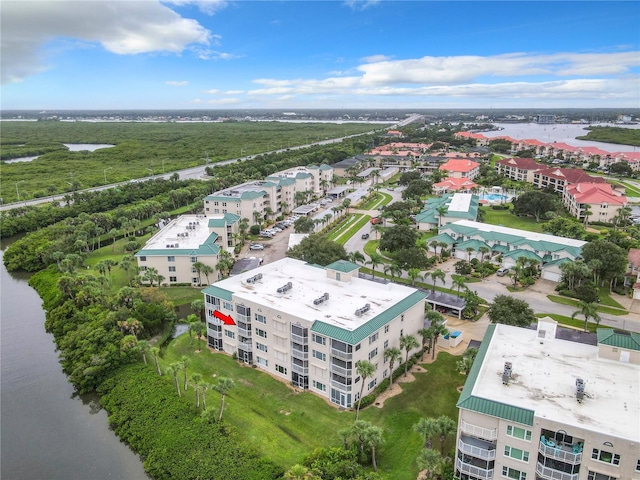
x: 285, y: 426
x: 353, y: 229
x: 182, y: 295
x: 466, y: 279
x: 385, y: 200
x: 370, y: 204
x: 631, y: 189
x: 504, y: 218
x: 432, y: 394
x: 344, y: 224
x: 606, y: 299
x: 570, y: 322
x: 576, y: 303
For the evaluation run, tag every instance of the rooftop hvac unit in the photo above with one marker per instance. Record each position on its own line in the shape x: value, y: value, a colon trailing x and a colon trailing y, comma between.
x: 321, y: 299
x: 579, y: 390
x: 176, y: 245
x: 255, y: 278
x: 186, y: 234
x: 285, y: 288
x: 363, y: 310
x: 506, y: 373
x: 168, y: 246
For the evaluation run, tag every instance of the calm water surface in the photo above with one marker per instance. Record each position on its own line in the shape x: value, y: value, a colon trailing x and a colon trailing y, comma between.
x: 46, y: 431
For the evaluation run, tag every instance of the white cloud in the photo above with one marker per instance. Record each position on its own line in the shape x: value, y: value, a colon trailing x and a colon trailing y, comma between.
x: 121, y: 27
x: 212, y: 91
x: 224, y: 101
x: 177, y: 83
x: 205, y: 6
x: 234, y: 92
x: 361, y: 4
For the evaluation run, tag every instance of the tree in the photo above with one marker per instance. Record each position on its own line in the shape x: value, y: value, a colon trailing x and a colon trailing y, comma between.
x: 588, y: 310
x: 375, y: 259
x: 392, y: 354
x: 155, y: 351
x: 586, y: 211
x: 427, y: 428
x: 612, y: 260
x: 373, y: 437
x: 199, y: 328
x: 437, y: 328
x: 446, y: 426
x: 458, y: 282
x: 414, y: 274
x: 365, y: 369
x: 299, y: 472
x: 197, y: 266
x: 173, y: 369
x: 436, y: 275
x: 464, y: 365
x: 431, y: 461
x: 198, y: 307
x: 223, y: 387
x: 196, y: 378
x: 393, y: 269
x: 442, y: 211
x: 318, y: 249
x: 535, y: 203
x: 398, y: 237
x: 408, y: 343
x: 185, y: 362
x: 511, y: 311
x: 356, y: 257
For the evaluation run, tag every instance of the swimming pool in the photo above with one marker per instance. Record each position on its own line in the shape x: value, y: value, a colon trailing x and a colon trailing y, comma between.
x: 493, y: 197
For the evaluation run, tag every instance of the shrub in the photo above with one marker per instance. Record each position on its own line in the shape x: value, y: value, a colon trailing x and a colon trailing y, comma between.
x: 254, y: 229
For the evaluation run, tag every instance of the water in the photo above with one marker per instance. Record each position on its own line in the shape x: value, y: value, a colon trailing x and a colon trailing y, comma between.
x: 563, y: 133
x: 47, y: 432
x: 21, y: 159
x: 91, y: 147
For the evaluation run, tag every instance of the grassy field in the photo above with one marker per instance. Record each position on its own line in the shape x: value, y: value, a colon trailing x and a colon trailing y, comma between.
x: 286, y: 425
x: 575, y: 303
x: 505, y: 218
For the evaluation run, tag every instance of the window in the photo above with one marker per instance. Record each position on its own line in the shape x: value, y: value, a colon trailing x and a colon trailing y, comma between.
x: 513, y: 473
x: 261, y: 333
x: 386, y: 344
x: 281, y: 369
x: 319, y: 355
x: 319, y: 386
x: 171, y: 258
x: 172, y: 269
x: 261, y: 347
x: 518, y: 432
x: 262, y: 361
x: 357, y: 347
x: 143, y: 258
x: 212, y: 300
x: 227, y: 306
x: 599, y: 476
x: 173, y: 279
x: 194, y: 259
x: 319, y: 339
x: 194, y: 280
x: 373, y: 353
x: 372, y: 383
x: 606, y: 457
x: 402, y: 317
x: 386, y: 329
x: 516, y: 453
x: 338, y: 276
x: 261, y: 318
x: 638, y: 466
x: 373, y: 338
x: 229, y: 334
x: 385, y: 374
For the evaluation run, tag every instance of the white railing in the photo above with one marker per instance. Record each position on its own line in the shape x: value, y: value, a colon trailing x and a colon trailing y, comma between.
x: 473, y: 470
x: 299, y: 369
x: 247, y: 347
x: 244, y: 332
x: 341, y: 354
x: 299, y: 354
x: 560, y: 454
x: 553, y: 474
x: 474, y: 451
x: 341, y: 386
x: 344, y: 372
x: 299, y: 339
x: 480, y: 432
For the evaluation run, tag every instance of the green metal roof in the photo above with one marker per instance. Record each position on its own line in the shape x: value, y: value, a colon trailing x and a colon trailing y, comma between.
x: 528, y: 254
x: 443, y: 237
x: 475, y: 244
x: 222, y: 198
x: 608, y: 336
x: 218, y: 292
x: 342, y: 266
x: 227, y: 219
x: 253, y: 194
x: 500, y: 248
x: 468, y: 401
x: 353, y: 337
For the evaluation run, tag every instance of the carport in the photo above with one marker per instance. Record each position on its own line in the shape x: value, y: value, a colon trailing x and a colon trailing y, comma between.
x: 445, y: 303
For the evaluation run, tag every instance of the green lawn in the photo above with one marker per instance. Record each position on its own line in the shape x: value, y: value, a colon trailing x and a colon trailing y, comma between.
x: 285, y: 425
x: 505, y: 218
x: 573, y: 302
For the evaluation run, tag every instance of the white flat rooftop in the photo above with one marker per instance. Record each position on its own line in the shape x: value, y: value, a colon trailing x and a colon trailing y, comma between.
x: 544, y: 380
x: 460, y: 202
x: 184, y: 232
x: 485, y: 227
x: 309, y: 283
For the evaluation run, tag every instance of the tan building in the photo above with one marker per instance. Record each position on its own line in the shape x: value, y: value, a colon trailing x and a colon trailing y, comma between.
x: 461, y: 168
x: 603, y: 201
x: 538, y: 407
x: 309, y: 325
x: 518, y: 169
x: 184, y: 241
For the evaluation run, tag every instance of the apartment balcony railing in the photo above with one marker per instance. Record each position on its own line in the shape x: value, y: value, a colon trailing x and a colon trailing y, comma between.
x: 244, y: 332
x: 553, y: 474
x: 299, y: 339
x: 466, y: 446
x: 299, y: 369
x: 217, y: 334
x: 243, y: 318
x: 563, y: 453
x: 343, y: 372
x: 341, y: 386
x: 246, y: 346
x: 300, y: 354
x: 341, y: 354
x: 473, y: 470
x: 480, y: 432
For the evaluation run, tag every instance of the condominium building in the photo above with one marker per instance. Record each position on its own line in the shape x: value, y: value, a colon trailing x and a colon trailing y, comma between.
x: 448, y: 208
x: 538, y: 407
x: 310, y: 325
x: 598, y: 202
x: 461, y: 167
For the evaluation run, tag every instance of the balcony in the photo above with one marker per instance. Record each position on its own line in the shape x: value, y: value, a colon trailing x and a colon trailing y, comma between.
x: 565, y: 453
x: 245, y: 346
x: 473, y: 470
x: 553, y: 474
x: 480, y: 432
x: 343, y: 372
x: 299, y: 339
x: 302, y: 355
x: 477, y: 448
x: 217, y: 334
x: 341, y: 354
x: 341, y: 386
x: 299, y: 369
x: 243, y: 318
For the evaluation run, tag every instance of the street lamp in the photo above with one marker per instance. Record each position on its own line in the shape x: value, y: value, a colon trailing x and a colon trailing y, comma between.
x: 17, y: 191
x: 105, y: 173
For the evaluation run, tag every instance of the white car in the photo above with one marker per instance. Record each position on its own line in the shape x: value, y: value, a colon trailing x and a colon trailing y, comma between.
x: 276, y: 229
x: 256, y: 246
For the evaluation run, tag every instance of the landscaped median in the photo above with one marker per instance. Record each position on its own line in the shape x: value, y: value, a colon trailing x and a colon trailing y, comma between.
x: 348, y: 228
x: 576, y: 303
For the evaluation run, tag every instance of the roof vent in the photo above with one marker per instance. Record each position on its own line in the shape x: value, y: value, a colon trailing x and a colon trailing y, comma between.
x: 176, y: 245
x: 285, y: 288
x: 579, y: 390
x: 255, y: 278
x: 321, y: 299
x: 363, y: 310
x: 506, y: 373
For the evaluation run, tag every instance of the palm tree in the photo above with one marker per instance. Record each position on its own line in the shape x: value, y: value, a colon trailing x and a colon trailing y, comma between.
x: 196, y: 378
x: 413, y: 274
x: 155, y: 351
x: 392, y: 354
x: 356, y: 257
x: 588, y: 310
x: 469, y: 251
x: 431, y: 461
x: 483, y: 251
x: 375, y: 260
x: 224, y: 385
x: 425, y: 334
x: 203, y: 389
x: 393, y: 270
x: 446, y: 426
x: 299, y: 472
x: 197, y: 266
x: 458, y: 281
x: 427, y: 428
x: 442, y: 209
x: 365, y: 369
x: 185, y: 361
x: 436, y: 275
x: 207, y: 270
x: 373, y: 437
x: 434, y: 244
x: 377, y: 228
x: 408, y: 343
x: 586, y: 210
x: 174, y: 369
x: 143, y: 347
x: 437, y: 329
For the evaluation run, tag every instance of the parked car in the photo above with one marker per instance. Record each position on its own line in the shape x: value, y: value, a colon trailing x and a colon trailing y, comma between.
x: 376, y: 220
x: 365, y: 236
x: 502, y: 271
x: 256, y: 246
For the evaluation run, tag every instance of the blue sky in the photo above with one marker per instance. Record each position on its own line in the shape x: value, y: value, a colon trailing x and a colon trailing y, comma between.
x: 183, y: 54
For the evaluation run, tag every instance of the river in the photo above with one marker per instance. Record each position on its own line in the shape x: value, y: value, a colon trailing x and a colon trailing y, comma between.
x: 47, y: 432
